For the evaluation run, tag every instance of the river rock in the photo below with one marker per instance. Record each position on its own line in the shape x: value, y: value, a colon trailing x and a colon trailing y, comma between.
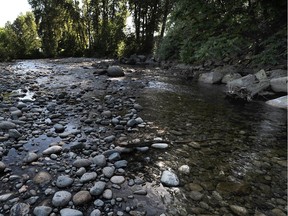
x: 70, y: 212
x: 114, y: 157
x: 196, y: 195
x: 108, y: 171
x: 109, y: 139
x: 95, y: 212
x: 20, y: 209
x: 99, y: 160
x: 42, y: 178
x: 64, y: 181
x: 61, y: 198
x: 121, y: 164
x: 52, y: 150
x: 98, y: 188
x: 279, y: 84
x: 42, y: 211
x: 169, y: 179
x: 13, y: 133
x: 160, y: 145
x: 107, y: 194
x: 2, y: 166
x: 238, y: 210
x: 88, y: 177
x: 6, y: 125
x: 131, y: 123
x: 81, y: 198
x: 5, y: 197
x: 59, y: 128
x: 185, y: 169
x: 82, y: 163
x: 115, y: 71
x: 212, y: 77
x: 30, y: 157
x: 281, y: 102
x: 117, y: 179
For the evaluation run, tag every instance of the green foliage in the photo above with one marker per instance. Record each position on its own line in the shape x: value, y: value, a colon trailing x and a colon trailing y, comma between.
x: 6, y: 52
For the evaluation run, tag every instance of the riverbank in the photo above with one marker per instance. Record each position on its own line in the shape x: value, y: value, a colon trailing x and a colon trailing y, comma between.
x: 74, y: 138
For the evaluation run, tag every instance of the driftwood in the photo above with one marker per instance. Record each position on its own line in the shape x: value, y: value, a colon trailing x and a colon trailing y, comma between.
x: 247, y: 87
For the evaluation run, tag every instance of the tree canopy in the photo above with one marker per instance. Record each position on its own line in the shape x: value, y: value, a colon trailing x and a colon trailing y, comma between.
x: 189, y: 31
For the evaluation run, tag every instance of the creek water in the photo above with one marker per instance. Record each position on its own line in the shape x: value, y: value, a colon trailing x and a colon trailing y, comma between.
x: 237, y: 153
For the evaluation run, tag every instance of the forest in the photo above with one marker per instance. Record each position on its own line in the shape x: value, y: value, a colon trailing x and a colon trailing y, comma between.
x: 181, y: 30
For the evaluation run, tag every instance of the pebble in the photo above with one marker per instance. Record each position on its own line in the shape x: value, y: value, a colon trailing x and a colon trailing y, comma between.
x: 2, y: 166
x: 169, y: 179
x: 52, y: 150
x: 81, y: 198
x: 117, y: 179
x: 99, y: 203
x: 59, y: 128
x: 120, y: 164
x: 82, y: 163
x: 108, y: 171
x: 195, y: 195
x: 114, y: 157
x: 99, y: 160
x: 98, y: 188
x: 70, y: 212
x: 13, y: 133
x: 107, y: 194
x: 42, y: 211
x: 96, y: 212
x: 109, y: 139
x: 238, y: 210
x: 42, y: 178
x: 86, y: 177
x: 30, y: 157
x: 19, y: 209
x: 6, y: 125
x: 185, y: 169
x: 160, y: 145
x: 64, y: 181
x: 61, y: 198
x: 5, y: 197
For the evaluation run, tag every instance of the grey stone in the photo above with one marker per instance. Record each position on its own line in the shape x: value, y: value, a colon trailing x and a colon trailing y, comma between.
x: 109, y: 139
x: 82, y: 163
x: 52, y: 150
x: 279, y: 84
x: 2, y: 166
x: 5, y: 197
x: 20, y: 209
x: 212, y: 77
x: 64, y: 181
x: 114, y: 157
x: 59, y: 128
x: 131, y: 123
x: 86, y: 177
x: 6, y: 125
x: 81, y: 198
x: 70, y: 212
x: 229, y: 77
x: 99, y: 203
x: 99, y: 160
x: 16, y: 114
x: 108, y: 171
x: 61, y: 198
x: 281, y: 102
x: 115, y: 71
x: 120, y: 164
x: 117, y: 179
x: 106, y: 113
x: 42, y: 211
x: 98, y: 188
x: 196, y: 195
x: 42, y: 178
x: 238, y: 210
x: 13, y: 133
x: 185, y: 169
x: 169, y: 179
x: 96, y: 212
x: 160, y: 145
x: 107, y: 194
x: 81, y: 171
x: 30, y: 157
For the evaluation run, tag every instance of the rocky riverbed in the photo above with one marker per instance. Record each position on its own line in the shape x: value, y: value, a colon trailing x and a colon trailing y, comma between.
x: 74, y: 141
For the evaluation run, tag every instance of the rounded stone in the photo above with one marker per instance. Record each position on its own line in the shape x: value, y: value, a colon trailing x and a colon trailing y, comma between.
x: 30, y: 157
x: 98, y: 188
x: 169, y: 179
x: 185, y: 169
x: 81, y: 198
x: 52, y: 150
x: 61, y: 198
x: 160, y: 145
x: 107, y: 194
x: 19, y: 209
x: 2, y: 166
x: 86, y: 177
x: 99, y: 160
x: 82, y: 163
x: 64, y: 181
x: 59, y: 128
x: 96, y: 212
x: 70, y: 212
x: 108, y: 171
x: 42, y: 178
x: 42, y: 211
x: 117, y: 179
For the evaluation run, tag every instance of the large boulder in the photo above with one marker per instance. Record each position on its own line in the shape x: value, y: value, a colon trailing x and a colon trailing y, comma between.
x: 279, y: 84
x: 212, y: 77
x: 281, y: 102
x: 115, y: 71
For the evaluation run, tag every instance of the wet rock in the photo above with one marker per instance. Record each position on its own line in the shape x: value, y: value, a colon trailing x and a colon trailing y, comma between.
x: 88, y: 177
x: 70, y: 212
x: 20, y: 209
x: 107, y: 194
x: 160, y: 145
x: 238, y: 210
x: 114, y: 157
x: 281, y: 102
x: 108, y: 171
x: 42, y: 178
x: 2, y: 166
x: 6, y: 125
x: 185, y: 169
x: 81, y: 171
x: 99, y: 160
x: 30, y: 157
x: 117, y: 179
x: 82, y: 163
x: 98, y: 188
x: 169, y: 179
x: 61, y: 198
x: 64, y: 181
x: 279, y: 84
x: 81, y: 198
x: 96, y: 212
x: 42, y: 211
x: 52, y: 150
x: 212, y: 77
x: 5, y: 197
x: 13, y: 133
x: 59, y: 128
x: 107, y: 114
x: 109, y: 139
x: 121, y: 164
x: 131, y: 123
x: 115, y: 71
x: 99, y: 203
